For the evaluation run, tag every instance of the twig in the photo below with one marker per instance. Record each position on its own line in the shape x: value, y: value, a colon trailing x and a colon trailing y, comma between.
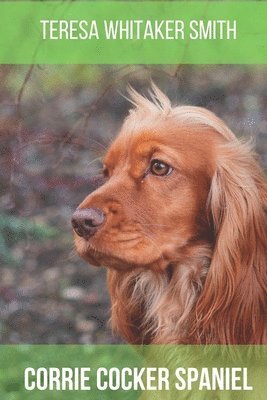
x: 22, y: 89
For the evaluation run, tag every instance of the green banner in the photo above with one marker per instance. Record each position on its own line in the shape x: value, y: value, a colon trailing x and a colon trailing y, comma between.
x: 207, y: 32
x: 109, y: 372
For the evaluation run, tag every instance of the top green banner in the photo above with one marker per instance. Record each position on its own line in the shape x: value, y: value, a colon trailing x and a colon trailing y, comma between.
x: 133, y: 32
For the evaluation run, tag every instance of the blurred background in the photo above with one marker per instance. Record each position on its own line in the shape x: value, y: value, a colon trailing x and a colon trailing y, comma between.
x: 55, y: 124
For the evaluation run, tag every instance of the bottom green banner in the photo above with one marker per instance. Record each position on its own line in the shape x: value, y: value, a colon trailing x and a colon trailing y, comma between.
x: 132, y: 372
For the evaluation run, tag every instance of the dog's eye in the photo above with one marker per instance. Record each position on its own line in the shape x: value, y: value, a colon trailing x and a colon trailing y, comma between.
x: 160, y: 168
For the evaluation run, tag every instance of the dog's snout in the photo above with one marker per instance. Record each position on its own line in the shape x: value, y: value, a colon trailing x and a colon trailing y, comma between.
x: 86, y: 221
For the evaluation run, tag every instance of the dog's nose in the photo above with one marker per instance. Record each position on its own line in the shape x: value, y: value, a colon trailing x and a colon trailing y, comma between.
x: 86, y: 221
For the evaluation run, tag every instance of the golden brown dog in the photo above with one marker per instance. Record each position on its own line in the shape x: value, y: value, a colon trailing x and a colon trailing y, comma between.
x: 181, y: 225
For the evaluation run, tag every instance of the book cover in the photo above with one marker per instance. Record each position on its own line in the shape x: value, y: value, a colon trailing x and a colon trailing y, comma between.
x: 133, y: 225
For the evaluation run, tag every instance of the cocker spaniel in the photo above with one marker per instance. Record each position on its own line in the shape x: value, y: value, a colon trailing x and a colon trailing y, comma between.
x: 181, y: 224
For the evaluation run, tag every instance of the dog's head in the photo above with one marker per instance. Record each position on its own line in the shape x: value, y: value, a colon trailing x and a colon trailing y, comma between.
x: 153, y: 206
x: 180, y: 191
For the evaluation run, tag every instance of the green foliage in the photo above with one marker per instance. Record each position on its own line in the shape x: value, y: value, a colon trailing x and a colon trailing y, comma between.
x: 15, y: 229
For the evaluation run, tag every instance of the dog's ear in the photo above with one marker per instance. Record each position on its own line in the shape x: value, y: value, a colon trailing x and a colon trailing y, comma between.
x: 232, y: 306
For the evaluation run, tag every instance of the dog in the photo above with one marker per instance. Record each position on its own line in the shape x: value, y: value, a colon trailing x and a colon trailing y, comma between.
x: 181, y: 225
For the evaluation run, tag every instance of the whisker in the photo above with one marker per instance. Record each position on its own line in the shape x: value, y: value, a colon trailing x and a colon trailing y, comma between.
x: 94, y: 160
x: 104, y: 147
x: 145, y: 234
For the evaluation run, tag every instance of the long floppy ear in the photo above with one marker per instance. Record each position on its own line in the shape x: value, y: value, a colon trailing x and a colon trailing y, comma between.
x: 232, y: 306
